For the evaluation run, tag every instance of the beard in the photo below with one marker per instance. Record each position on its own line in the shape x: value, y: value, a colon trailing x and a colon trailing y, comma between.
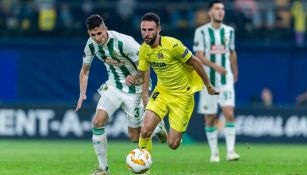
x: 150, y: 41
x: 218, y: 20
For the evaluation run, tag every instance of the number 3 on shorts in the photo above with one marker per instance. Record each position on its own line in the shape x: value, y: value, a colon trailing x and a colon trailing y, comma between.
x: 136, y: 112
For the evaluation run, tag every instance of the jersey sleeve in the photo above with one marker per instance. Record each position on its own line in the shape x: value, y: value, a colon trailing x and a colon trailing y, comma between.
x: 88, y: 53
x: 181, y: 52
x: 143, y: 62
x: 198, y: 43
x: 131, y: 49
x: 232, y: 39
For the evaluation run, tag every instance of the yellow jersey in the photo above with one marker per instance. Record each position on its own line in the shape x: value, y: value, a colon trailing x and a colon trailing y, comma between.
x: 168, y: 60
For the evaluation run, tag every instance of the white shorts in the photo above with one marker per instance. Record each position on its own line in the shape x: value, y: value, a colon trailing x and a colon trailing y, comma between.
x: 208, y: 104
x: 112, y: 99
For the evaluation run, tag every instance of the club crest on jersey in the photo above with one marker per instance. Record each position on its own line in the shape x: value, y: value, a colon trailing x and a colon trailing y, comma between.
x: 160, y: 55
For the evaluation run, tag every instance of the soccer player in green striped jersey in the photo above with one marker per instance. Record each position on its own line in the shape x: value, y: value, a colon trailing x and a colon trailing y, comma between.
x: 214, y: 46
x: 119, y: 53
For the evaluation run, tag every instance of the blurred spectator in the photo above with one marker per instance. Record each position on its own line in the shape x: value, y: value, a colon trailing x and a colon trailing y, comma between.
x: 66, y: 24
x: 264, y: 17
x: 201, y: 17
x: 10, y: 9
x: 267, y: 97
x: 28, y: 18
x: 301, y: 99
x: 299, y: 17
x: 87, y: 8
x: 181, y: 17
x: 283, y: 15
x: 247, y: 9
x: 124, y: 20
x: 254, y: 20
x: 47, y: 15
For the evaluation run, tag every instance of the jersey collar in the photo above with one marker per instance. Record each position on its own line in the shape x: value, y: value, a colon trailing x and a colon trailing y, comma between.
x: 210, y: 25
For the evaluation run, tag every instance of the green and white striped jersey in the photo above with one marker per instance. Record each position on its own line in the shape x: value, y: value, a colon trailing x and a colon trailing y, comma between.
x: 120, y: 56
x: 216, y: 45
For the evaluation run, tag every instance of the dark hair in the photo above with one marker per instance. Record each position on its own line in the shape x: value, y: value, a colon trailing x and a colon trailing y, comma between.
x: 94, y: 21
x: 211, y: 4
x: 151, y: 17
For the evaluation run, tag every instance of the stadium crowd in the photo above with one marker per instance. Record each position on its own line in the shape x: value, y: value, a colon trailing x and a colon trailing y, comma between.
x: 274, y: 20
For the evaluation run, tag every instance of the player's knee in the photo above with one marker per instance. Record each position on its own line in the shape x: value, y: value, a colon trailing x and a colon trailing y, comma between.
x: 229, y: 116
x: 146, y: 133
x: 134, y: 138
x: 174, y: 144
x: 210, y: 120
x: 97, y: 123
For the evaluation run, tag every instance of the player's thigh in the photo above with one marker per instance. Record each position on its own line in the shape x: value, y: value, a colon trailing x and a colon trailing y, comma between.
x: 208, y: 104
x: 109, y: 101
x: 227, y: 96
x: 228, y: 112
x: 180, y: 111
x: 134, y: 108
x: 157, y: 103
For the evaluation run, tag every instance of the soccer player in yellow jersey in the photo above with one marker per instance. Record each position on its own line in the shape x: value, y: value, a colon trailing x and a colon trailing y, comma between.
x: 180, y: 74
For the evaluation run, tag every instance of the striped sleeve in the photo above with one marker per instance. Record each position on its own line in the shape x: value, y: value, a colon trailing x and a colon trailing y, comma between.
x: 232, y: 39
x: 131, y: 48
x: 198, y: 43
x: 89, y: 52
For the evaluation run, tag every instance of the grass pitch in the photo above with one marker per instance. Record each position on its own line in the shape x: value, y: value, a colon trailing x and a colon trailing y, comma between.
x: 71, y: 157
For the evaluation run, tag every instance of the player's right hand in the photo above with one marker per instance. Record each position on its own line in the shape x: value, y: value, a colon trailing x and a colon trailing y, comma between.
x: 81, y: 98
x: 212, y: 91
x: 130, y: 80
x: 220, y: 69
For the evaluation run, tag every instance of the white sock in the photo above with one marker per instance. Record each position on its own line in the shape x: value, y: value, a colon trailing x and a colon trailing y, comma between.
x: 211, y: 133
x: 158, y: 129
x: 100, y: 145
x: 230, y: 136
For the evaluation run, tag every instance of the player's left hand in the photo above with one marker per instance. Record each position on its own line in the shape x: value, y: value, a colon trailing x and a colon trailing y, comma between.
x: 211, y: 90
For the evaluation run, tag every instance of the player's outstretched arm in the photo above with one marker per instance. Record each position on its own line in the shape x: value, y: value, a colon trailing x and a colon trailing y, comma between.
x: 193, y: 61
x: 135, y: 80
x: 84, y: 72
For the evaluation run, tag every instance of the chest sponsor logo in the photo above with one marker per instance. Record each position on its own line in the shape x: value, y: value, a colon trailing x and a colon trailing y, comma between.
x: 158, y: 65
x: 217, y: 49
x: 111, y: 61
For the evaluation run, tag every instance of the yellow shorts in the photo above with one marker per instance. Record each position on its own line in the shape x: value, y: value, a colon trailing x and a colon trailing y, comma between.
x: 178, y: 106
